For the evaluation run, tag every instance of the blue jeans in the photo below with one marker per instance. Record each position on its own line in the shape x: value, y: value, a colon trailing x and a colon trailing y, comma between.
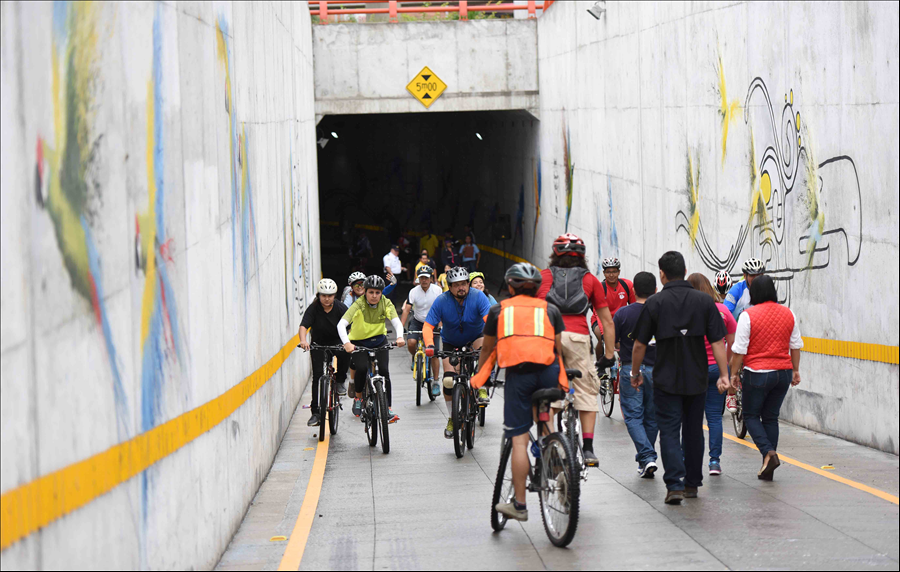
x: 715, y: 405
x: 639, y: 412
x: 762, y: 397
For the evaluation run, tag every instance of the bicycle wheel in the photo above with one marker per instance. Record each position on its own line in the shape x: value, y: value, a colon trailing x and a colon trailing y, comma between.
x: 503, y: 486
x: 382, y: 418
x: 419, y: 376
x: 607, y: 396
x: 560, y: 490
x: 324, y: 392
x: 740, y: 428
x: 334, y: 412
x: 471, y: 416
x: 458, y: 414
x: 371, y: 420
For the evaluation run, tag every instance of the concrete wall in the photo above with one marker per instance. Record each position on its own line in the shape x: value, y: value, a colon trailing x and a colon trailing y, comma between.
x: 486, y: 65
x: 159, y: 242
x: 731, y: 130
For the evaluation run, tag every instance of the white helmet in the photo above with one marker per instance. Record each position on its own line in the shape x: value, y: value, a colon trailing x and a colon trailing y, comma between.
x: 458, y: 274
x: 611, y: 262
x: 753, y: 266
x: 326, y: 286
x: 356, y: 277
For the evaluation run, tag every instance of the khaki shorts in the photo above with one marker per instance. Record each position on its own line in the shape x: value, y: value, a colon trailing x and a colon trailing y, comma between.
x: 577, y: 355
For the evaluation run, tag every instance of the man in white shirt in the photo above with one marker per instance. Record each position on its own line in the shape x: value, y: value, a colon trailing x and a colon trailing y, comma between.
x: 392, y: 261
x: 420, y: 300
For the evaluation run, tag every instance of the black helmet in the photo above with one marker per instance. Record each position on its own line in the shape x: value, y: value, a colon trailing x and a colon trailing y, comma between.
x: 374, y: 282
x: 523, y: 276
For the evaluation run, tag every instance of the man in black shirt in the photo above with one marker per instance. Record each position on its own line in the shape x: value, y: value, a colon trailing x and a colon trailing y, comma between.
x: 680, y: 318
x: 322, y: 317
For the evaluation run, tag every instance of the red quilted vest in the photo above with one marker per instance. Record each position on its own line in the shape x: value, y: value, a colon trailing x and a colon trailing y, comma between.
x: 771, y: 325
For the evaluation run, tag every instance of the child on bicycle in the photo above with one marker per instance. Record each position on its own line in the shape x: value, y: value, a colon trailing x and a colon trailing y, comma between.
x: 524, y: 335
x: 368, y: 315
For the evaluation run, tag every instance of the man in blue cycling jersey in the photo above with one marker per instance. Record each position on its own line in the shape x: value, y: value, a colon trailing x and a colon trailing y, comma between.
x: 738, y: 298
x: 462, y: 311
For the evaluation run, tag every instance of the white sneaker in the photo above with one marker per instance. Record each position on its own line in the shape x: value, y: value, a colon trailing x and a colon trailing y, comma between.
x: 647, y: 470
x: 731, y: 404
x: 509, y: 510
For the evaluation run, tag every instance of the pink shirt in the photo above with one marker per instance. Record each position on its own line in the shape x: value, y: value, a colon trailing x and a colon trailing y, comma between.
x: 730, y: 327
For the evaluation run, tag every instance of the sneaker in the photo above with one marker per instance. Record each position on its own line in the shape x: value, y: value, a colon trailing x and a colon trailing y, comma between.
x: 341, y: 388
x: 392, y: 417
x: 357, y: 407
x: 509, y: 510
x: 435, y: 389
x: 715, y: 468
x: 483, y: 396
x: 731, y: 404
x: 674, y: 497
x: 647, y: 469
x: 690, y: 492
x: 313, y: 421
x: 590, y: 459
x: 350, y: 389
x: 448, y: 430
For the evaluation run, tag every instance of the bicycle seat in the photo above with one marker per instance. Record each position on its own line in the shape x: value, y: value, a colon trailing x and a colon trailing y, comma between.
x: 545, y: 395
x: 573, y: 373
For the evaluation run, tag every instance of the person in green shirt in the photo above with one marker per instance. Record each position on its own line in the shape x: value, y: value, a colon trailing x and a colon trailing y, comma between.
x: 366, y: 319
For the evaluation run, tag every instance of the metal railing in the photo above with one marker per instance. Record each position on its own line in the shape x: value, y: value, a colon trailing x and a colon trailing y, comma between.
x: 329, y: 8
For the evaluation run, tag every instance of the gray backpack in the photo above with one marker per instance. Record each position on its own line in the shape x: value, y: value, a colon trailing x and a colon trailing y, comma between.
x: 567, y: 292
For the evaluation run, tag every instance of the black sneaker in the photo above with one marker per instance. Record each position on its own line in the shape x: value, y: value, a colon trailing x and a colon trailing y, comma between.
x: 341, y: 388
x: 590, y: 458
x: 313, y: 421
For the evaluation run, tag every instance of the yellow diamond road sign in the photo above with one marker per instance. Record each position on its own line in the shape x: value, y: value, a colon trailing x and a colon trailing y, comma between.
x: 426, y: 87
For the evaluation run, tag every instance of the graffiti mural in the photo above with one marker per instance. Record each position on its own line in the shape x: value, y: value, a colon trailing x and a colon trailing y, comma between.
x: 64, y: 184
x: 570, y: 171
x: 536, y: 176
x: 789, y: 226
x: 243, y: 225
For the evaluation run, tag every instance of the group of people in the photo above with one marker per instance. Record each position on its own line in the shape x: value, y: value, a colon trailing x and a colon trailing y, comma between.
x: 684, y: 349
x: 464, y: 253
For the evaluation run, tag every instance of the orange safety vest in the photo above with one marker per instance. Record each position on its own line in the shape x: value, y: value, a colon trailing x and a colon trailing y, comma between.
x: 524, y: 332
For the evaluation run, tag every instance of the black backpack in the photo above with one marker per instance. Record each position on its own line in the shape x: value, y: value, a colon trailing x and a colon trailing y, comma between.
x: 624, y: 286
x: 567, y: 292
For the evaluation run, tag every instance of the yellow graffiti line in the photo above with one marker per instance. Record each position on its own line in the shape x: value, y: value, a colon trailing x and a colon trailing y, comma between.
x: 727, y: 110
x: 34, y: 505
x: 148, y: 226
x: 855, y: 350
x: 694, y: 191
x: 505, y: 254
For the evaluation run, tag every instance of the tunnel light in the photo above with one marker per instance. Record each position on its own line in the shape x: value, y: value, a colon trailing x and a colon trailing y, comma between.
x: 598, y: 9
x: 479, y: 136
x: 333, y: 134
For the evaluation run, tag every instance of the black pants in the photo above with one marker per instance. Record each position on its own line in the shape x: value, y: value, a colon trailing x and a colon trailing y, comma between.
x: 681, y: 444
x: 361, y: 365
x: 318, y: 367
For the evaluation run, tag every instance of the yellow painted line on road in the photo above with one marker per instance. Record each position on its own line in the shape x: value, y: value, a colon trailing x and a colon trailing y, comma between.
x: 293, y: 554
x: 32, y: 506
x: 837, y: 478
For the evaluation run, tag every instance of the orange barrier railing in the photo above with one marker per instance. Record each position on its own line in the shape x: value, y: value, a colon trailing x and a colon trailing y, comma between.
x: 326, y: 8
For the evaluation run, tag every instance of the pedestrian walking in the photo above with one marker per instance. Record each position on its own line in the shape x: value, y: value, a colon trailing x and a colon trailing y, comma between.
x: 679, y: 318
x: 767, y: 346
x: 715, y: 401
x: 637, y: 402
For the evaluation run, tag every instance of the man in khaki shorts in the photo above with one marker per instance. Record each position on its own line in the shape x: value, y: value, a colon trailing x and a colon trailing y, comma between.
x: 570, y: 286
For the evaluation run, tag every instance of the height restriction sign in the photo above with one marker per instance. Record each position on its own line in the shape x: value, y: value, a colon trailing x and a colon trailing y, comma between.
x: 426, y: 87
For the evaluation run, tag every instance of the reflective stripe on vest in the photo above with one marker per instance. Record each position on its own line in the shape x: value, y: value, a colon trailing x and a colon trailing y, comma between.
x: 525, y: 332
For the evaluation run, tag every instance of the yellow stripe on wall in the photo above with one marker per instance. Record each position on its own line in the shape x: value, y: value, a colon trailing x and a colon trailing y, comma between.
x: 504, y: 254
x: 34, y: 505
x: 855, y: 350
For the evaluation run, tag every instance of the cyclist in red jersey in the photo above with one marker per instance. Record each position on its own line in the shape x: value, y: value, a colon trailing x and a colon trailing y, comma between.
x: 619, y: 292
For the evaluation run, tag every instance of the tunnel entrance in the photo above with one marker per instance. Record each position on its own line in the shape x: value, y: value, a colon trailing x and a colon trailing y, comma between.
x: 383, y: 176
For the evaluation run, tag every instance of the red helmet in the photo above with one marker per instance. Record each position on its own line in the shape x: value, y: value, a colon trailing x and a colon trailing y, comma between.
x: 568, y: 245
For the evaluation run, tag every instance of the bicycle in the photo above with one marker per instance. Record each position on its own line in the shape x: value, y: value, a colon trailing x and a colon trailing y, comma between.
x: 375, y: 411
x: 567, y: 424
x: 609, y: 386
x: 740, y: 428
x: 421, y: 370
x: 553, y: 474
x: 465, y: 408
x: 329, y: 400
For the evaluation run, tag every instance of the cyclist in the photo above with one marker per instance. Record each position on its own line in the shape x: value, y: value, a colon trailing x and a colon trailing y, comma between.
x: 723, y: 283
x: 570, y: 286
x: 524, y: 335
x: 619, y: 292
x: 366, y: 318
x: 476, y: 281
x: 442, y: 279
x: 738, y: 298
x: 462, y: 312
x: 355, y: 288
x: 322, y: 316
x: 424, y: 260
x: 420, y: 300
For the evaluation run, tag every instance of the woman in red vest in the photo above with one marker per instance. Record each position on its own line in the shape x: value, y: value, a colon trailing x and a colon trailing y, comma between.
x: 767, y: 346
